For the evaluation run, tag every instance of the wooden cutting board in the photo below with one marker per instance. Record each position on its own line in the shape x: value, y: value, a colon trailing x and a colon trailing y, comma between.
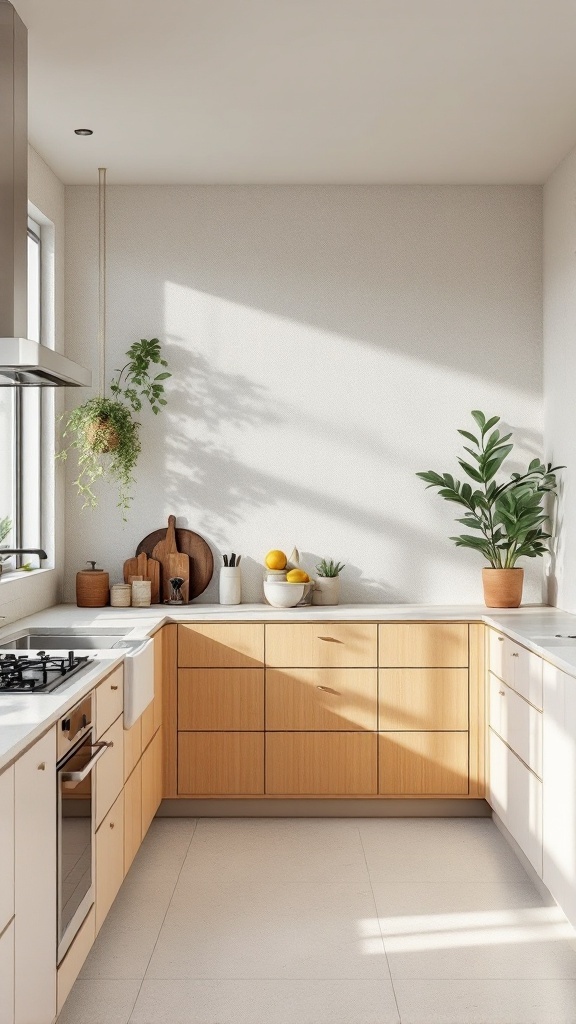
x: 153, y: 574
x: 137, y: 566
x: 192, y: 544
x: 172, y: 561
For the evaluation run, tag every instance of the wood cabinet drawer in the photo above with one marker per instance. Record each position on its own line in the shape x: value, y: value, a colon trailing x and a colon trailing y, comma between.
x: 132, y: 816
x: 221, y: 645
x: 423, y: 763
x: 132, y: 747
x: 328, y: 645
x: 321, y: 699
x: 109, y: 860
x: 321, y: 764
x: 220, y: 763
x: 6, y: 846
x: 151, y: 780
x: 423, y: 645
x: 519, y: 668
x: 517, y: 723
x: 221, y: 699
x: 109, y: 700
x: 516, y: 797
x: 72, y: 963
x: 110, y: 770
x: 418, y: 699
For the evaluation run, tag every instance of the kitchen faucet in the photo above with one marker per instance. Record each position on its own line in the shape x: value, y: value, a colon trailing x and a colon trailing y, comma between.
x: 24, y: 551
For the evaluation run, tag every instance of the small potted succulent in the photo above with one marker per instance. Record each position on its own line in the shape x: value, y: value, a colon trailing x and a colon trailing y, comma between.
x: 327, y: 587
x: 509, y: 519
x: 105, y: 433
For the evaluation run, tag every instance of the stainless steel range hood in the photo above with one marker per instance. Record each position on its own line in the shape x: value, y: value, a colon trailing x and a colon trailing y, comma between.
x: 22, y: 361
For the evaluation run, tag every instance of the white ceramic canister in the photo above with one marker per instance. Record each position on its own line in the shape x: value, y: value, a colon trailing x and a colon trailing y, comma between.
x: 326, y: 590
x: 141, y: 593
x: 230, y: 585
x: 120, y: 595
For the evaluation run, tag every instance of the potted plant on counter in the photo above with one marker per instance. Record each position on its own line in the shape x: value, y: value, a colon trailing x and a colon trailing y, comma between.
x: 104, y: 431
x: 509, y: 519
x: 327, y: 587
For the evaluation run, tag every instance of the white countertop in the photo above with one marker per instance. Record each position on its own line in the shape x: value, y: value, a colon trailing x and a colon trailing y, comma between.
x: 23, y: 717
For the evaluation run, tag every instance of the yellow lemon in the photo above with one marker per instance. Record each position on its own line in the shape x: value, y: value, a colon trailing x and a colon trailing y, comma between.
x: 276, y: 560
x: 297, y: 576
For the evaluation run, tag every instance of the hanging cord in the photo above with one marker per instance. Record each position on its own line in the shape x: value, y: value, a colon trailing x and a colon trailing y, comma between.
x: 102, y: 279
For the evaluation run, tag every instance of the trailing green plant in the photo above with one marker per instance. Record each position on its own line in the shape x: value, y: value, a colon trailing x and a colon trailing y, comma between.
x: 105, y: 436
x: 5, y: 528
x: 508, y: 518
x: 329, y: 569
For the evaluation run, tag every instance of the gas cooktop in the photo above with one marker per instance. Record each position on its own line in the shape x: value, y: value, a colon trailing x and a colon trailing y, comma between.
x: 38, y: 673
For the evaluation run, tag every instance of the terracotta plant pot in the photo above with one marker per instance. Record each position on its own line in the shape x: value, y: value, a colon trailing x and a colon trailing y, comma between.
x: 102, y: 436
x: 502, y: 587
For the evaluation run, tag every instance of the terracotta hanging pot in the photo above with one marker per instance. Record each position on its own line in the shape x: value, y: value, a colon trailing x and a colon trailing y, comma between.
x: 502, y: 587
x: 102, y: 436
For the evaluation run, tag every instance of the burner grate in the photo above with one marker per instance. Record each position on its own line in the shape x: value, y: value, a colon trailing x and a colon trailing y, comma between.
x: 37, y: 673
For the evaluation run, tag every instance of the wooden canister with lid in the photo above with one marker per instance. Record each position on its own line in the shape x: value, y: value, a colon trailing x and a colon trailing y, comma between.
x: 92, y: 587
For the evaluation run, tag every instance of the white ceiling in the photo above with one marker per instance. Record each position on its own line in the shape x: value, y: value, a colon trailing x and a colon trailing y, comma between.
x: 303, y: 91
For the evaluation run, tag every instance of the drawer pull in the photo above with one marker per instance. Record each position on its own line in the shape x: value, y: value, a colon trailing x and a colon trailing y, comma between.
x: 328, y: 689
x: 111, y: 824
x: 42, y: 766
x: 114, y: 687
x: 502, y: 693
x: 330, y: 639
x: 515, y: 654
x: 501, y: 639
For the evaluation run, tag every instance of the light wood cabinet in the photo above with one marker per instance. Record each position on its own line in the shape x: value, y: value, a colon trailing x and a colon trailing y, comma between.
x: 559, y: 789
x: 74, y: 960
x: 220, y: 763
x: 413, y: 699
x: 319, y: 699
x: 132, y: 747
x: 221, y: 699
x: 151, y: 781
x: 109, y: 700
x: 109, y: 860
x: 321, y: 645
x: 221, y: 645
x: 517, y: 722
x: 516, y: 797
x: 321, y: 764
x: 423, y: 645
x: 110, y: 770
x: 6, y: 847
x: 7, y: 975
x: 132, y: 816
x: 35, y: 882
x: 423, y: 764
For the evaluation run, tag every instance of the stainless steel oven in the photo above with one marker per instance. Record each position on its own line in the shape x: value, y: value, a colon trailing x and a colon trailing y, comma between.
x: 77, y: 758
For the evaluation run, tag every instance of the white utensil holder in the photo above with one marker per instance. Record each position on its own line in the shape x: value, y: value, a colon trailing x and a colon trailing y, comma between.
x: 230, y: 585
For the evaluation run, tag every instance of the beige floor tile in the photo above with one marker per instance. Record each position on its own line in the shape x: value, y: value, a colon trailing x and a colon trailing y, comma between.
x: 293, y: 850
x: 264, y: 1002
x: 437, y: 850
x: 100, y: 1002
x: 296, y: 930
x: 486, y: 1002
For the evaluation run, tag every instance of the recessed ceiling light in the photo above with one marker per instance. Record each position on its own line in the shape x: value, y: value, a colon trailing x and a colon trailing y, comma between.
x: 83, y: 131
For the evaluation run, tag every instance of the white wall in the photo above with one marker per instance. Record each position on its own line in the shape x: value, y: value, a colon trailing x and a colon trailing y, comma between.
x: 560, y: 366
x: 30, y: 593
x: 326, y: 342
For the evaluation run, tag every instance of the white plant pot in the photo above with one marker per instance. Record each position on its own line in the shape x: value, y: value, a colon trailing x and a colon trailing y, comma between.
x: 230, y: 585
x: 327, y: 590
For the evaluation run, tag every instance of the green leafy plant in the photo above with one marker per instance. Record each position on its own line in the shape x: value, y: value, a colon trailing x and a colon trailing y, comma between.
x: 104, y: 433
x: 5, y: 528
x: 508, y: 518
x: 329, y: 569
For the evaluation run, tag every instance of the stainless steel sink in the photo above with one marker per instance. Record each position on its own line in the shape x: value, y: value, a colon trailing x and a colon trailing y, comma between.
x: 69, y: 640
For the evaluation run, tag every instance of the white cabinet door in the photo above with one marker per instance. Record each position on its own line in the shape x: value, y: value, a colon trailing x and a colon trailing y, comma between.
x: 519, y: 668
x: 35, y: 883
x: 500, y: 656
x: 559, y: 764
x: 516, y: 797
x: 7, y: 975
x: 6, y: 847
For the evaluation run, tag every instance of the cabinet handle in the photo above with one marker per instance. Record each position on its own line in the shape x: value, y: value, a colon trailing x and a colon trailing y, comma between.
x: 42, y: 766
x: 111, y: 824
x: 515, y: 654
x: 113, y: 687
x: 328, y: 689
x: 501, y: 639
x: 502, y: 693
x: 330, y: 639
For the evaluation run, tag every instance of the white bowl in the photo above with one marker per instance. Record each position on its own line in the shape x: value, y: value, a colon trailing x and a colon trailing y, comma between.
x: 281, y: 594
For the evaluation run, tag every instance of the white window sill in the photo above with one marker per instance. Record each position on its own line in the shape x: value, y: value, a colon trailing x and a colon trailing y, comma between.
x: 17, y: 575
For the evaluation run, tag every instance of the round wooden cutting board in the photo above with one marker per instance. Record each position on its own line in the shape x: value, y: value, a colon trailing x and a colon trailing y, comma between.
x: 188, y: 543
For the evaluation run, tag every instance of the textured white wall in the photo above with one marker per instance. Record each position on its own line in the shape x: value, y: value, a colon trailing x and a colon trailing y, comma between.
x: 33, y: 592
x: 326, y: 342
x: 560, y: 367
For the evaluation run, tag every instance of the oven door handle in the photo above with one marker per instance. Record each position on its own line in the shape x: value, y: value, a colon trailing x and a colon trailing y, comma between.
x: 79, y: 776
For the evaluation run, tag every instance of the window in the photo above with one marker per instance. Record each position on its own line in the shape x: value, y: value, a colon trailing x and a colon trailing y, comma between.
x: 21, y: 431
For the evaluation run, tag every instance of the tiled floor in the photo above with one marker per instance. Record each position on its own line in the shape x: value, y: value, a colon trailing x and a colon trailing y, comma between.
x: 353, y: 921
